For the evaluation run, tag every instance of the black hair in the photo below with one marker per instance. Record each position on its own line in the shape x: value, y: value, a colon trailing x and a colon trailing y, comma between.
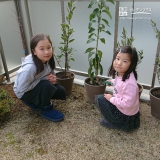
x: 132, y: 68
x: 33, y: 43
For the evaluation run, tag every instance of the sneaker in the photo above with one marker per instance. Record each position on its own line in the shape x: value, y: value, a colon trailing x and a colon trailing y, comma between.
x: 104, y: 123
x: 32, y: 106
x: 51, y: 114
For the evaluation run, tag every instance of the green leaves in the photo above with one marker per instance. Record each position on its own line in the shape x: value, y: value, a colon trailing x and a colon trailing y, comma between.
x: 112, y: 1
x: 158, y: 67
x: 66, y: 36
x: 71, y: 40
x: 128, y: 41
x: 94, y: 65
x: 102, y: 40
x: 91, y: 35
x: 90, y: 40
x: 140, y: 56
x: 156, y: 30
x: 105, y: 21
x: 108, y: 13
x: 100, y: 69
x: 91, y: 23
x: 96, y: 12
x: 91, y: 30
x: 97, y: 24
x: 89, y: 49
x: 100, y: 55
x: 108, y: 32
x: 92, y: 3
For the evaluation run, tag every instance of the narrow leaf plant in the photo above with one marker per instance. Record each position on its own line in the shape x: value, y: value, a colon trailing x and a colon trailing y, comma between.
x: 128, y: 41
x: 67, y: 37
x: 157, y: 31
x: 97, y: 25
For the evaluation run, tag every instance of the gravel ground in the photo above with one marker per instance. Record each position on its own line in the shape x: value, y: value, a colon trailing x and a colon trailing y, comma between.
x: 25, y: 135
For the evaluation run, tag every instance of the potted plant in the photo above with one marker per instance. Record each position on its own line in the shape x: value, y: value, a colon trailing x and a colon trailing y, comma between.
x: 128, y: 41
x: 97, y: 25
x: 65, y: 77
x: 155, y: 91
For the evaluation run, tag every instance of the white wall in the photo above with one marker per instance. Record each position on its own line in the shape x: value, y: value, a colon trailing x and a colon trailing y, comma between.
x: 46, y: 18
x: 10, y: 35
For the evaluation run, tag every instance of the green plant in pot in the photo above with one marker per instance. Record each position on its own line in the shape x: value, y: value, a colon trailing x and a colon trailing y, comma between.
x: 66, y: 78
x: 97, y: 26
x: 155, y: 91
x: 128, y: 41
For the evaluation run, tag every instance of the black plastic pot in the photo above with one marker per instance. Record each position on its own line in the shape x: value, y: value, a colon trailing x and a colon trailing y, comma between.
x: 65, y: 81
x: 155, y: 101
x: 93, y: 90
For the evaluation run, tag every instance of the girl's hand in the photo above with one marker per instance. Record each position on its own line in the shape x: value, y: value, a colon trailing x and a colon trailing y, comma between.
x: 51, y: 78
x: 108, y: 82
x: 108, y: 96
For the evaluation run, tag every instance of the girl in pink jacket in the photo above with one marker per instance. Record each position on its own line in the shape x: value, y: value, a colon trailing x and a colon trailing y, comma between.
x: 121, y: 110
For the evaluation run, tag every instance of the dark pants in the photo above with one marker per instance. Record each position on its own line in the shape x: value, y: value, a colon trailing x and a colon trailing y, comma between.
x: 43, y: 92
x: 116, y: 118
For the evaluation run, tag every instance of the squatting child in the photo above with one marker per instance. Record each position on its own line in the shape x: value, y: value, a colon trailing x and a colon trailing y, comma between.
x: 35, y: 82
x: 121, y: 110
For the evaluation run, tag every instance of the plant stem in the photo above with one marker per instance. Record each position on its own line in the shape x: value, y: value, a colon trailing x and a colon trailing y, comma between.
x: 132, y: 19
x: 67, y: 41
x: 97, y: 41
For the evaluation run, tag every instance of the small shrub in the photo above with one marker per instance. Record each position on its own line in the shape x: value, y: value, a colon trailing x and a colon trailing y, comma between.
x: 6, y: 101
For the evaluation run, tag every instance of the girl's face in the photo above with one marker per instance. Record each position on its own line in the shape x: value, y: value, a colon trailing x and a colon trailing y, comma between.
x: 122, y: 63
x: 43, y: 50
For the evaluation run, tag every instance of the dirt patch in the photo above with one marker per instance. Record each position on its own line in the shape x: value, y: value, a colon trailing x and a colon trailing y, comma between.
x: 61, y: 75
x: 25, y: 135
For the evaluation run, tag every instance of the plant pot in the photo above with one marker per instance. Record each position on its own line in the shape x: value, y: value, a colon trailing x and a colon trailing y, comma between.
x: 140, y: 89
x: 155, y: 101
x: 65, y: 81
x: 93, y: 90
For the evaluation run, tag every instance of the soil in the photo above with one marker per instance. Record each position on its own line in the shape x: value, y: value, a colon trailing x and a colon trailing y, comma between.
x: 156, y: 92
x: 101, y: 82
x: 61, y: 75
x: 24, y: 134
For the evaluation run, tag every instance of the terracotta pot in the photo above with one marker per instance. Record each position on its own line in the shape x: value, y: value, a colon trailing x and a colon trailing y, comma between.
x: 93, y: 90
x: 155, y: 101
x: 140, y: 89
x: 66, y: 81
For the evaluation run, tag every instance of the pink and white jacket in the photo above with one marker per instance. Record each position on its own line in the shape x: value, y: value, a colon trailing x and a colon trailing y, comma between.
x: 126, y: 95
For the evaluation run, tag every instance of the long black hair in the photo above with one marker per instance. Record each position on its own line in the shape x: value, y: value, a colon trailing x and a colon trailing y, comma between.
x: 132, y: 68
x: 33, y: 43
